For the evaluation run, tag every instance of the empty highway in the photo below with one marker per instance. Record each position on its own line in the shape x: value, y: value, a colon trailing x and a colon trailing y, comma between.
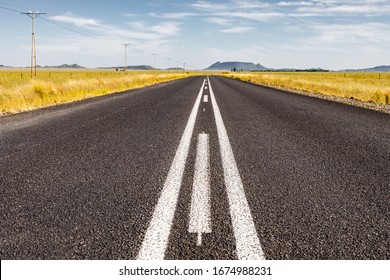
x: 199, y: 168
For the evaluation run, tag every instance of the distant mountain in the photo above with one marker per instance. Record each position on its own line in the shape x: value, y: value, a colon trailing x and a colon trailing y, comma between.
x: 245, y: 66
x: 64, y: 66
x: 383, y: 68
x: 140, y: 67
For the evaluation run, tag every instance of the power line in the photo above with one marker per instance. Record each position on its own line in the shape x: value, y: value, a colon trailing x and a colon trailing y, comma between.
x: 169, y: 65
x: 33, y: 59
x: 10, y: 9
x: 154, y: 59
x: 67, y: 28
x: 34, y: 15
x: 49, y: 21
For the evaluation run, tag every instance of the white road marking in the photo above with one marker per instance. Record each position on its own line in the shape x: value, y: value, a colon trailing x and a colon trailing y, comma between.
x: 200, y: 215
x: 247, y: 242
x: 157, y: 235
x: 205, y: 98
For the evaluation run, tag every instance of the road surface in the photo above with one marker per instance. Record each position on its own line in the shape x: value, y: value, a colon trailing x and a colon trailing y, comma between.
x: 199, y: 168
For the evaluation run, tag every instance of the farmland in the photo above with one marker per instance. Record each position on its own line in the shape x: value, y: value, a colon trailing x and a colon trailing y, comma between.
x: 18, y: 92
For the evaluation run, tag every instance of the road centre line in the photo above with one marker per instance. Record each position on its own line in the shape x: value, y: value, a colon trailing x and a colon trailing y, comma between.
x: 157, y: 235
x: 247, y: 242
x: 205, y: 98
x: 200, y: 213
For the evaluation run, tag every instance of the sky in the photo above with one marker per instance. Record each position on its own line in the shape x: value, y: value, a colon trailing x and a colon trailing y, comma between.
x: 328, y: 34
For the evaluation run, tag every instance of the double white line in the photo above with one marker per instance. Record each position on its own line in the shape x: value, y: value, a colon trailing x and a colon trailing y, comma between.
x: 157, y: 235
x: 200, y: 212
x: 156, y: 238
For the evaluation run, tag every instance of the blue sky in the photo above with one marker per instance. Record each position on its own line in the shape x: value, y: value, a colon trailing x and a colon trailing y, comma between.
x: 330, y: 34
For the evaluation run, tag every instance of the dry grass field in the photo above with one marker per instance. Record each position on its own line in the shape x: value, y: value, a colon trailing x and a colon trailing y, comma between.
x: 18, y: 92
x: 372, y: 87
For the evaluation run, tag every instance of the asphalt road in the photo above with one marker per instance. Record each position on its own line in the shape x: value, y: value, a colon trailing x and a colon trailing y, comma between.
x: 247, y: 172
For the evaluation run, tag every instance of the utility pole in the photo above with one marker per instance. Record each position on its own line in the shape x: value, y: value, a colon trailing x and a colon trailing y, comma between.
x: 33, y: 16
x: 154, y: 61
x: 126, y: 45
x: 178, y: 66
x: 184, y: 67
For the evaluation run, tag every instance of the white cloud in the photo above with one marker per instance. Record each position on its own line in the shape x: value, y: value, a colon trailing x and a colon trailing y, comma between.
x: 257, y: 16
x: 78, y: 21
x: 362, y: 33
x: 209, y: 6
x: 230, y: 5
x: 183, y: 15
x: 267, y: 10
x: 238, y: 29
x: 140, y: 30
x: 162, y: 29
x: 219, y: 20
x: 247, y: 4
x: 330, y: 8
x: 294, y: 3
x: 129, y: 15
x: 137, y: 25
x: 166, y: 28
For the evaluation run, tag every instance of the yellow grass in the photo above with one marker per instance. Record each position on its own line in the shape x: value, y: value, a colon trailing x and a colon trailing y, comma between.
x: 18, y: 92
x: 374, y: 87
